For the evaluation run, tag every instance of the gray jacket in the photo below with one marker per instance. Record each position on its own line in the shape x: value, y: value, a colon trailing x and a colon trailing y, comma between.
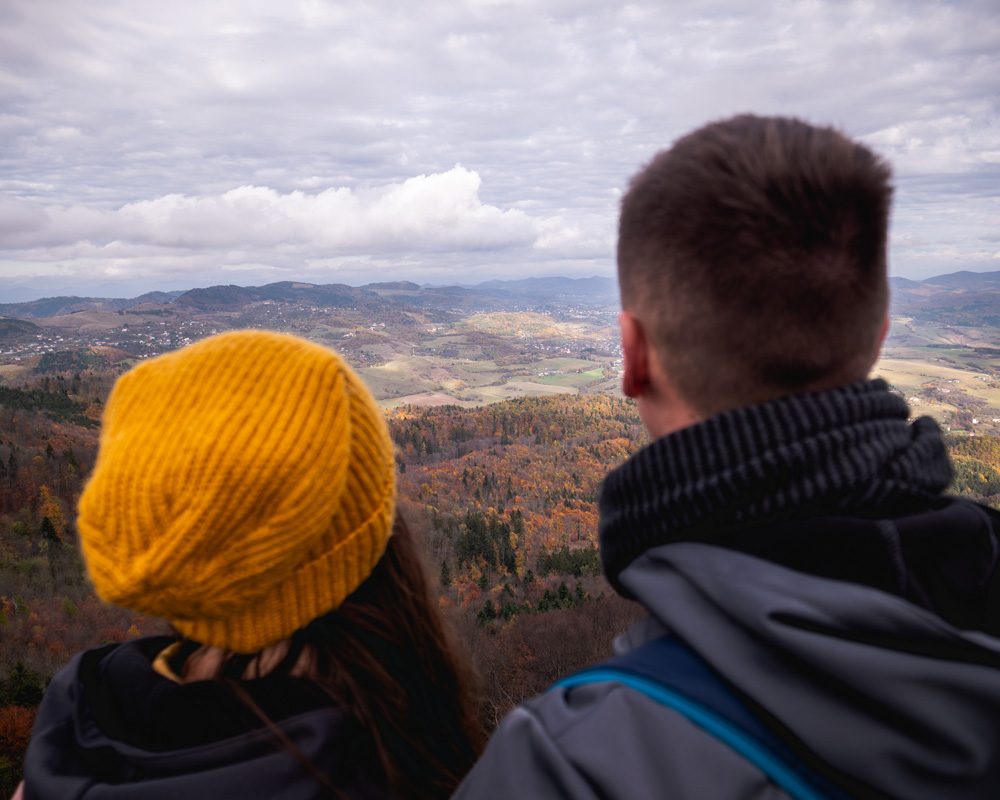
x: 878, y: 688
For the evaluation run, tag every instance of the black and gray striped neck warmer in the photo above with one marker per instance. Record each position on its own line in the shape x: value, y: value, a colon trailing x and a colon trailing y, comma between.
x: 847, y: 450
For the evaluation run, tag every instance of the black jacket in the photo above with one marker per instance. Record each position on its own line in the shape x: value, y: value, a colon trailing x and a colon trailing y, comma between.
x: 111, y: 727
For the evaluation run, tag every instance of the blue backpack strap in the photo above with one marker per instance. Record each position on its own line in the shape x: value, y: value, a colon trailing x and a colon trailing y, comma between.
x: 669, y: 672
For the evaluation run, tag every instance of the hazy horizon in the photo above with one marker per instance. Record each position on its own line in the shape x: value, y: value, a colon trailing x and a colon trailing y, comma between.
x: 27, y: 296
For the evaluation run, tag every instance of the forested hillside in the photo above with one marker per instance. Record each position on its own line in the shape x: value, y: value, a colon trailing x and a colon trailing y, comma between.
x: 502, y: 496
x: 977, y: 467
x: 507, y: 495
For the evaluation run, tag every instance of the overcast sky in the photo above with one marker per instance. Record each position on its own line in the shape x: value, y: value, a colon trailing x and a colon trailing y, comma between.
x: 154, y: 145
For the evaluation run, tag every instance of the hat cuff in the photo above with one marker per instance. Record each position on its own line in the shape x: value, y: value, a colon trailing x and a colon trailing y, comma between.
x: 306, y: 593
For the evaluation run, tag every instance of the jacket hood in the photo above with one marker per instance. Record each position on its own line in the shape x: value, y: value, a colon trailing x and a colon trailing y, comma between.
x: 877, y: 687
x: 111, y: 727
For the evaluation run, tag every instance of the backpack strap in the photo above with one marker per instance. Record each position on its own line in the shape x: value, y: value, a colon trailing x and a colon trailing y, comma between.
x: 668, y: 671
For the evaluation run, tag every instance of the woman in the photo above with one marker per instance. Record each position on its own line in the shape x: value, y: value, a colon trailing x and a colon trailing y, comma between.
x: 244, y: 491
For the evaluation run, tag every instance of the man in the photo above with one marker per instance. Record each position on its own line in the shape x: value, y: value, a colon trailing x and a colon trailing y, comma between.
x: 787, y: 526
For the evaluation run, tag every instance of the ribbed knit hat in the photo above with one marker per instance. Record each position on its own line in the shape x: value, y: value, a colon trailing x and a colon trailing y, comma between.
x: 244, y: 486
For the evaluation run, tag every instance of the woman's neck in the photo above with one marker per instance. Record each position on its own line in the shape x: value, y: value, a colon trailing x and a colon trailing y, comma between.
x: 206, y: 663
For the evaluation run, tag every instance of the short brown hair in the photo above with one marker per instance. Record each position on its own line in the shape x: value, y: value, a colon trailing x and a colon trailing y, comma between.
x: 753, y: 252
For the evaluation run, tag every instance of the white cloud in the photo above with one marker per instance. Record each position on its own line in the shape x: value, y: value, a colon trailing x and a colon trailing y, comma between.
x: 426, y: 212
x: 188, y: 134
x: 259, y: 229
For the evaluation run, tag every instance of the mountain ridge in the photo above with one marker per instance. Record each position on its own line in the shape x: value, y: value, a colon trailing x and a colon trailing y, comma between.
x: 594, y: 290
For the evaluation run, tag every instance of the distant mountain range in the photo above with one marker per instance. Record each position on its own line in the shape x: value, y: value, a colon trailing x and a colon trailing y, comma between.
x: 953, y: 280
x: 966, y: 280
x: 528, y: 292
x: 958, y: 299
x: 958, y: 293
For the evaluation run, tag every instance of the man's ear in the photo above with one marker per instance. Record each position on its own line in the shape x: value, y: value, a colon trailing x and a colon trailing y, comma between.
x: 880, y: 343
x: 635, y: 355
x: 885, y: 331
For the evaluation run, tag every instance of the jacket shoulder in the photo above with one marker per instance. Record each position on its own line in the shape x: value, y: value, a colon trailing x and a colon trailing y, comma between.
x: 607, y: 740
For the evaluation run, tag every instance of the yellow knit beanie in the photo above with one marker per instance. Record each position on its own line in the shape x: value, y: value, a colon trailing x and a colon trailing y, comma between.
x: 244, y: 486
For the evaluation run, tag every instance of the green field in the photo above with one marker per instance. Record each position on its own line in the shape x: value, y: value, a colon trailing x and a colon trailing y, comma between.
x: 452, y: 368
x: 524, y: 324
x: 423, y: 380
x: 562, y: 364
x: 575, y: 379
x: 478, y: 396
x: 919, y: 373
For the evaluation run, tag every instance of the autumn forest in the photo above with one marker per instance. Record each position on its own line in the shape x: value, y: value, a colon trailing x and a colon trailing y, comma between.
x: 503, y: 497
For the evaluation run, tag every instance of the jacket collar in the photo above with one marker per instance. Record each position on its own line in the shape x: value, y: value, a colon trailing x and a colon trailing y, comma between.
x: 846, y: 450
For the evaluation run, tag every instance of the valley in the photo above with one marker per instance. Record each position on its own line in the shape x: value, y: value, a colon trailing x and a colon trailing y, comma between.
x: 504, y: 404
x: 412, y: 345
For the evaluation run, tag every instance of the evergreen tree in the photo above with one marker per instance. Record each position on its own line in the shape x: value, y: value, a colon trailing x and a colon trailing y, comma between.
x: 47, y: 530
x: 70, y: 458
x: 487, y: 613
x: 22, y: 687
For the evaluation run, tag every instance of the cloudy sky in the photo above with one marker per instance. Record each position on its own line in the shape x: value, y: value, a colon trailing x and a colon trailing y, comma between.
x: 151, y: 145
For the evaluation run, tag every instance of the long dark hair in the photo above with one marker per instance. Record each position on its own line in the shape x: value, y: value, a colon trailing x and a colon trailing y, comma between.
x: 387, y: 658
